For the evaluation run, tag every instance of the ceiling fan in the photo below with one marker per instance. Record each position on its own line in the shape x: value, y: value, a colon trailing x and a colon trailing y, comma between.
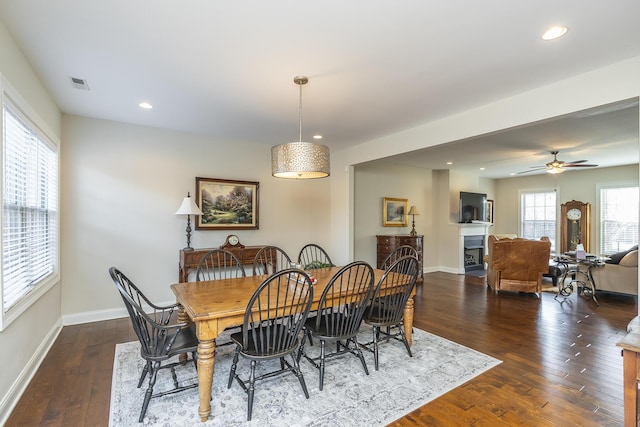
x: 557, y: 166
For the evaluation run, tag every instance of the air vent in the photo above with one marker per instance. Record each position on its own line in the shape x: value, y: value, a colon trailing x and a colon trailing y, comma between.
x: 79, y: 83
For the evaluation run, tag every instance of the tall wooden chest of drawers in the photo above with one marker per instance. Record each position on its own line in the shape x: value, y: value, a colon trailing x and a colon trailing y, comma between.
x: 387, y: 244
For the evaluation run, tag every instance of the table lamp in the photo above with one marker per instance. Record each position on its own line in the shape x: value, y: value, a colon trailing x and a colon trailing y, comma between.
x: 188, y: 208
x: 413, y: 212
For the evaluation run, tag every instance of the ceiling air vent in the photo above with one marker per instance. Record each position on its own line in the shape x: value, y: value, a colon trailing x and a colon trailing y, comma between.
x: 79, y: 83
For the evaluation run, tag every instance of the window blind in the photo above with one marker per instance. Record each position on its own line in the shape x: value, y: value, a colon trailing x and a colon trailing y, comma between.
x: 539, y: 216
x: 619, y: 214
x: 29, y: 208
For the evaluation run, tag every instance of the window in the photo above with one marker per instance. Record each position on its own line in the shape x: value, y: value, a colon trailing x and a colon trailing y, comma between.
x: 538, y: 210
x: 619, y: 214
x: 29, y: 208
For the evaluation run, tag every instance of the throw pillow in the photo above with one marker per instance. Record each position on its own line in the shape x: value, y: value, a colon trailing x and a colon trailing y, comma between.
x: 615, y: 258
x: 630, y: 259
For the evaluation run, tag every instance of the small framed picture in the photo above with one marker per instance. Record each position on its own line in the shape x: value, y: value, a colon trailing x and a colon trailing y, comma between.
x: 490, y: 211
x: 227, y: 204
x: 394, y: 212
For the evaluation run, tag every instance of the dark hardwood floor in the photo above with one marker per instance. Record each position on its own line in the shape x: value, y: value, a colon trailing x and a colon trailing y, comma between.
x: 560, y: 364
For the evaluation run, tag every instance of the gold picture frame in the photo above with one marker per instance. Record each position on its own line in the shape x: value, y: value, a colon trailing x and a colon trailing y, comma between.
x: 394, y: 212
x: 227, y: 204
x: 490, y: 211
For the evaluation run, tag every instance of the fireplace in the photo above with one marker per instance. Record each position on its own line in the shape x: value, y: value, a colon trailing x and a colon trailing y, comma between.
x: 472, y: 241
x: 473, y: 253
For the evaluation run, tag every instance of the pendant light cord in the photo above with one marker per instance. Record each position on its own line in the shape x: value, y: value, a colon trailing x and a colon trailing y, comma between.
x: 300, y: 115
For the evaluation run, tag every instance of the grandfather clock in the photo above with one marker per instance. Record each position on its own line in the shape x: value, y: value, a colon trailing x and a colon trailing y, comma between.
x: 574, y: 225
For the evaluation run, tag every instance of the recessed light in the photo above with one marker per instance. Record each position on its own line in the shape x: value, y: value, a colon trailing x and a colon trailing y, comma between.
x: 317, y: 136
x: 554, y: 32
x: 145, y: 105
x: 481, y: 169
x: 449, y: 163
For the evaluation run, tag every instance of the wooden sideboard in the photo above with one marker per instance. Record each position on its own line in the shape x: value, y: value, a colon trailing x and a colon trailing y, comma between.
x: 387, y: 244
x: 190, y: 259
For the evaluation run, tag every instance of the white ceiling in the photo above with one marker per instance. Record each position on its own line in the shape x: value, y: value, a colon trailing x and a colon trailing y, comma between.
x: 226, y: 69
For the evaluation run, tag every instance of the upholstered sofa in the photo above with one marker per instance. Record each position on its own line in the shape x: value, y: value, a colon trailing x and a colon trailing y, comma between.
x: 516, y: 264
x: 621, y: 277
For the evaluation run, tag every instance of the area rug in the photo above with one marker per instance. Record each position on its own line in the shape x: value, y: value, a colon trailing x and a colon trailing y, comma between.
x: 350, y: 397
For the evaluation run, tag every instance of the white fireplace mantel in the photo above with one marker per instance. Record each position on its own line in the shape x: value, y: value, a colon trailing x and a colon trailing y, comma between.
x: 473, y: 229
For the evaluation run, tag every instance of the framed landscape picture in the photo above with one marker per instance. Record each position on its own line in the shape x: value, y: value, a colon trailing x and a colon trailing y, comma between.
x: 227, y: 204
x: 394, y: 212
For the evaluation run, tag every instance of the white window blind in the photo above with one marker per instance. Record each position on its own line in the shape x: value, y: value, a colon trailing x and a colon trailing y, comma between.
x: 619, y: 214
x: 539, y: 216
x: 29, y: 206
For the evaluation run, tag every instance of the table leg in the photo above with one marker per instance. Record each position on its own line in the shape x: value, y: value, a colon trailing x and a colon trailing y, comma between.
x: 206, y: 351
x: 183, y: 317
x: 630, y: 387
x: 408, y: 320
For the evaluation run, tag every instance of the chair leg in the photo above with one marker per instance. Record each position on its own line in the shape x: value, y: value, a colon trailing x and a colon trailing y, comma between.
x: 251, y: 389
x: 300, y: 349
x: 360, y: 356
x: 404, y: 340
x: 298, y: 373
x: 322, y: 355
x: 376, y: 333
x: 145, y: 371
x: 149, y: 392
x: 232, y: 372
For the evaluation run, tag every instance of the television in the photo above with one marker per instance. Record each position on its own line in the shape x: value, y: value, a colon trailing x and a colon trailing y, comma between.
x: 473, y: 207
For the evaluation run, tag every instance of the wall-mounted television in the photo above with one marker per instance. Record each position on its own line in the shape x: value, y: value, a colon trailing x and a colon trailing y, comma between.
x: 473, y: 207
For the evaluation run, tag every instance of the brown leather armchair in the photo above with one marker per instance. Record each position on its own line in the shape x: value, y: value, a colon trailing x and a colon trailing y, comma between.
x: 517, y: 264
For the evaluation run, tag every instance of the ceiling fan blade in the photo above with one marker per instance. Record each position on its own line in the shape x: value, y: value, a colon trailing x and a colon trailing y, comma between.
x: 573, y: 165
x: 538, y: 168
x: 577, y: 161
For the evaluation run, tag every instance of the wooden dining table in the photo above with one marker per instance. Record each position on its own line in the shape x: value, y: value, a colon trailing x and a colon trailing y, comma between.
x: 215, y: 305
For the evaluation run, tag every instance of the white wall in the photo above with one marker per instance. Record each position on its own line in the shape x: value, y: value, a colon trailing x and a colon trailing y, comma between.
x: 25, y: 341
x: 122, y: 184
x: 373, y: 182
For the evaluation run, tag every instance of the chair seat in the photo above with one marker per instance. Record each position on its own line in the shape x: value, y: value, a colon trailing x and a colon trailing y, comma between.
x: 258, y: 346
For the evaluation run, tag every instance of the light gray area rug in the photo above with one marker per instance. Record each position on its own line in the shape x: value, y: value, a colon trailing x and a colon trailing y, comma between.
x: 349, y: 398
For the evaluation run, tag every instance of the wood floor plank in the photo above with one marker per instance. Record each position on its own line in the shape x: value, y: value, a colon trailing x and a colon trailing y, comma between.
x: 560, y: 364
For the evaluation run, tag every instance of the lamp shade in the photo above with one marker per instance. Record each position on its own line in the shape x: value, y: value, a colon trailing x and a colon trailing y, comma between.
x: 413, y: 211
x: 300, y: 160
x: 188, y: 207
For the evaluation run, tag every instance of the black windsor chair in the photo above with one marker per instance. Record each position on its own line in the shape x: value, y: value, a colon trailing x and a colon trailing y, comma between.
x: 270, y: 260
x: 272, y: 323
x: 389, y: 299
x: 159, y: 340
x: 219, y: 264
x: 340, y: 309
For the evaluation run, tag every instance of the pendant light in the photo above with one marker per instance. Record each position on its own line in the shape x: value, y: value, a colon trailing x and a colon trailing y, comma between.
x: 300, y: 160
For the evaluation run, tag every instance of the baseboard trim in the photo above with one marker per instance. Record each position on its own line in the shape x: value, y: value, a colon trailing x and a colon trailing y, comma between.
x: 13, y: 395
